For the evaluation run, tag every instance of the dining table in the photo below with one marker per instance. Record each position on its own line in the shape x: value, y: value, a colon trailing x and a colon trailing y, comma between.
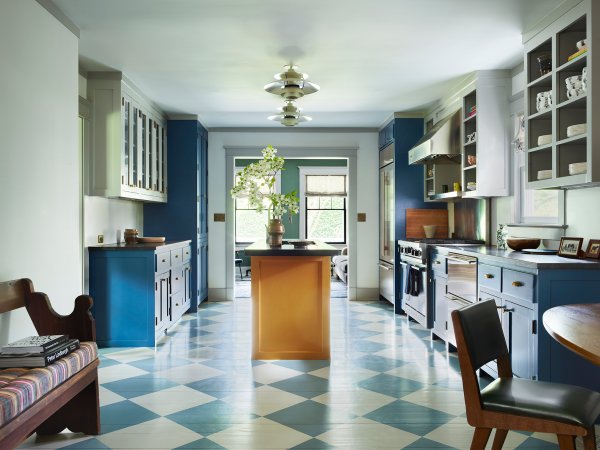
x: 577, y: 327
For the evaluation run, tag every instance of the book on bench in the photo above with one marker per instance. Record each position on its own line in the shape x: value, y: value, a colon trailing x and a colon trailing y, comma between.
x: 34, y: 345
x: 41, y: 359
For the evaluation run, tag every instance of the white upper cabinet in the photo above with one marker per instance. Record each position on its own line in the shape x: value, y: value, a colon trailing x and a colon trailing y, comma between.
x: 484, y: 134
x: 563, y: 149
x: 128, y: 155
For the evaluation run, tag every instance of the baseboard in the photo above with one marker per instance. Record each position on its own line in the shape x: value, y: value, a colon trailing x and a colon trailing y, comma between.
x: 220, y: 294
x: 363, y: 294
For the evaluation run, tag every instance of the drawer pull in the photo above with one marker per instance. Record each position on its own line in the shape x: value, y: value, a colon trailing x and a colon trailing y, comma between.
x: 508, y: 310
x: 518, y: 283
x: 489, y: 275
x: 438, y: 262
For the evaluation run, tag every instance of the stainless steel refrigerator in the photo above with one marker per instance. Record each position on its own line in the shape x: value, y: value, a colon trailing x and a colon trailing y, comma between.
x: 386, y: 223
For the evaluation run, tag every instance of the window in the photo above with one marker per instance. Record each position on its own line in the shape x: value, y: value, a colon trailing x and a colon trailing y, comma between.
x: 249, y: 224
x: 323, y: 204
x: 531, y: 205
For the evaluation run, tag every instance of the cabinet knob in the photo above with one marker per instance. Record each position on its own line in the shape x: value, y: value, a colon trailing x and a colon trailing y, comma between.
x: 438, y: 262
x: 164, y: 260
x: 176, y: 256
x: 489, y: 275
x: 176, y: 304
x: 518, y: 283
x: 176, y: 278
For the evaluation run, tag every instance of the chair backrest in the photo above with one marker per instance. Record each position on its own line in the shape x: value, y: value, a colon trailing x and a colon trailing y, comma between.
x: 482, y: 331
x: 13, y: 294
x: 479, y: 340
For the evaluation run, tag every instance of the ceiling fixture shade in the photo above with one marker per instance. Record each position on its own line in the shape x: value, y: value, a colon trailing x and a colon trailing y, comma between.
x: 291, y: 85
x: 290, y: 115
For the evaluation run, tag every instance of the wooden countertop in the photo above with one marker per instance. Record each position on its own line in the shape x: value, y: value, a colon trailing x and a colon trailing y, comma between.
x: 261, y: 248
x: 577, y: 327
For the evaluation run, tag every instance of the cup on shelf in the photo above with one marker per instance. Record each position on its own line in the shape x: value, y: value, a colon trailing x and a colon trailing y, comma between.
x: 581, y: 44
x: 545, y: 62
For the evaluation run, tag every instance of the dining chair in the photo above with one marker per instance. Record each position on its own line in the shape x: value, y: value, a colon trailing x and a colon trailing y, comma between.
x: 238, y: 263
x: 510, y: 403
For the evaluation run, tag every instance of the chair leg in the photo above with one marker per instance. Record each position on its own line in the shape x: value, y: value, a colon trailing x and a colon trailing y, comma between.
x: 499, y: 438
x: 589, y: 440
x: 480, y: 438
x: 241, y: 276
x: 566, y: 442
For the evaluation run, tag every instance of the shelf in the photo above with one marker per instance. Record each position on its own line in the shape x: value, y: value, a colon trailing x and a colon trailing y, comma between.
x: 445, y: 196
x: 575, y: 64
x: 544, y: 114
x: 544, y: 81
x: 468, y: 119
x: 429, y: 179
x: 469, y: 194
x: 473, y: 167
x: 575, y: 103
x: 466, y: 144
x: 540, y: 148
x: 572, y: 139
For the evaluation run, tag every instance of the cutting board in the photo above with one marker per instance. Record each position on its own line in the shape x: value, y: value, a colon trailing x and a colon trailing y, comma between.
x: 416, y: 218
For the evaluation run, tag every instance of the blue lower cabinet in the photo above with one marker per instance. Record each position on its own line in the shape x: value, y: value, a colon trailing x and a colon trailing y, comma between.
x: 139, y: 291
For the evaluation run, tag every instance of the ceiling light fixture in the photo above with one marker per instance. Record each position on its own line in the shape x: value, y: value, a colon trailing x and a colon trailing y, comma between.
x: 291, y: 85
x: 290, y: 115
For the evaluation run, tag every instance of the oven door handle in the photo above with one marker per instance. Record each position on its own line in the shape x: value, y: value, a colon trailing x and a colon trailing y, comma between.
x: 462, y: 261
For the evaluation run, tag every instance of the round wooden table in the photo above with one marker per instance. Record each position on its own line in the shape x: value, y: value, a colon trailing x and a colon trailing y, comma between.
x: 577, y: 327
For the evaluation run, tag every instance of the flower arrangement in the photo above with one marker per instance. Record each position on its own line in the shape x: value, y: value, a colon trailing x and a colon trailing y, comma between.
x: 257, y: 181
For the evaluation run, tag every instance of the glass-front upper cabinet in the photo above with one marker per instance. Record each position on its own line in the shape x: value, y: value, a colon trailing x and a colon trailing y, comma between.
x: 129, y: 157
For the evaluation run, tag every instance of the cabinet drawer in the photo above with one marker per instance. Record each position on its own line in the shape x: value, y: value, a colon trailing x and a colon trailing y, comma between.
x: 163, y: 262
x: 489, y: 277
x: 177, y: 280
x: 177, y: 305
x: 187, y: 253
x: 438, y: 263
x: 176, y: 257
x: 518, y: 284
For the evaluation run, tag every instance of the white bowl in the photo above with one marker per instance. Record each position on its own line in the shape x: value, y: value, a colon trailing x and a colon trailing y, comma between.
x: 544, y: 174
x: 577, y: 168
x: 544, y: 139
x: 471, y: 186
x: 574, y: 130
x: 581, y: 44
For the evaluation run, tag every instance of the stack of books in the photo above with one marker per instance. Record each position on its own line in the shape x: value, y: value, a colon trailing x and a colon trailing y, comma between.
x: 37, y: 351
x: 581, y: 51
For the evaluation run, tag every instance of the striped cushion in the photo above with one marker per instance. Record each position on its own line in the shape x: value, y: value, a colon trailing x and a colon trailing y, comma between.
x: 21, y: 387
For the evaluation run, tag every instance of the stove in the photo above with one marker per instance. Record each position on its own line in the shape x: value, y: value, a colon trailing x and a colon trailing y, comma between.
x: 417, y: 302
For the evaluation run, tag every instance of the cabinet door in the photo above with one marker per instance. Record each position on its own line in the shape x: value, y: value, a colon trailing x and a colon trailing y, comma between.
x: 521, y: 328
x: 187, y: 276
x: 203, y: 270
x: 161, y: 301
x: 440, y: 321
x: 491, y: 368
x: 126, y: 111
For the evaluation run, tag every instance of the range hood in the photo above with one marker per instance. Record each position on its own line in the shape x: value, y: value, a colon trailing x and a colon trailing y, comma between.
x: 443, y: 140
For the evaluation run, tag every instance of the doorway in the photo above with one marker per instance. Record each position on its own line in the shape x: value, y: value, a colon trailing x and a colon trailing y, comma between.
x: 296, y: 157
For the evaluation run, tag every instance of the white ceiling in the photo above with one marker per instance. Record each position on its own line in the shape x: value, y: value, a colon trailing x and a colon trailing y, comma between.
x: 370, y: 57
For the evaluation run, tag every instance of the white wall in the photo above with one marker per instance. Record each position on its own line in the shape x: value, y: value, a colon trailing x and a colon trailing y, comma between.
x: 367, y: 198
x: 40, y: 175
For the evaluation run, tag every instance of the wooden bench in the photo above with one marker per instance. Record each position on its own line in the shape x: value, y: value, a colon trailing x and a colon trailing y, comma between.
x: 72, y: 404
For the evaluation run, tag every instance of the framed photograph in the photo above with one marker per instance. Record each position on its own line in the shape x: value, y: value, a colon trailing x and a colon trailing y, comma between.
x: 569, y: 247
x: 593, y: 249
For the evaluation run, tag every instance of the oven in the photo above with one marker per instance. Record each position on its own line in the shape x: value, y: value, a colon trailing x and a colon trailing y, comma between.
x: 462, y: 278
x: 414, y: 292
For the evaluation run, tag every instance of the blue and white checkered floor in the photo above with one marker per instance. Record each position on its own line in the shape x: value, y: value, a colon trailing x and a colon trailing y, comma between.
x: 387, y: 386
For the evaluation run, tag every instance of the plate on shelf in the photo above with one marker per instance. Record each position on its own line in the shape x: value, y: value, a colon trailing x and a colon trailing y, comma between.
x: 151, y: 240
x: 544, y: 174
x: 574, y: 130
x: 577, y: 168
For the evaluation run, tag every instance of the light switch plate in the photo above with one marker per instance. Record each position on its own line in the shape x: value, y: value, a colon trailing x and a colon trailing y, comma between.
x: 100, y: 239
x: 361, y: 217
x: 219, y: 217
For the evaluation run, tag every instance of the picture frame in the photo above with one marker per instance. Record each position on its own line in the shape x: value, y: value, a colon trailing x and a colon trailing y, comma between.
x: 570, y: 247
x: 593, y: 249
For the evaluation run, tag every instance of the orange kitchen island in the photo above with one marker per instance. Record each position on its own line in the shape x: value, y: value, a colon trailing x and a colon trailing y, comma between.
x: 290, y: 300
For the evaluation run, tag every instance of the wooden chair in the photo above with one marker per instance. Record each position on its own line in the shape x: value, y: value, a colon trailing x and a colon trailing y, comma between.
x: 513, y: 403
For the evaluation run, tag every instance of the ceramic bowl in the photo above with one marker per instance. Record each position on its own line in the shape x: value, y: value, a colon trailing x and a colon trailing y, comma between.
x: 522, y: 243
x: 544, y: 174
